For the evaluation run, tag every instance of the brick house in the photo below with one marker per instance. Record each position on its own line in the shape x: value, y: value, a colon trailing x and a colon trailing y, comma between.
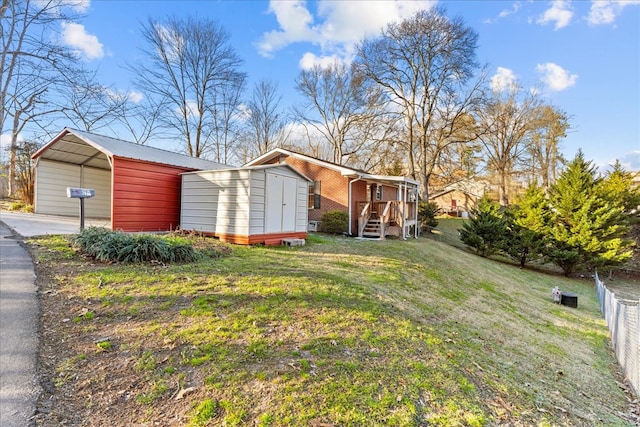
x: 377, y: 205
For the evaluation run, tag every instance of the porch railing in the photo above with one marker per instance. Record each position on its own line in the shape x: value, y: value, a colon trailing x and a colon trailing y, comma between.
x: 390, y: 213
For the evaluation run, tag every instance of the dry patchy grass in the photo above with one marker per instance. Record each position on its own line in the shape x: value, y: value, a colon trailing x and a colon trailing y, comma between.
x: 340, y: 332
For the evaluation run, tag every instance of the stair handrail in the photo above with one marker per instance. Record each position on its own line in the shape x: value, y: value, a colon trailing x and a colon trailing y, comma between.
x: 384, y: 218
x: 365, y: 213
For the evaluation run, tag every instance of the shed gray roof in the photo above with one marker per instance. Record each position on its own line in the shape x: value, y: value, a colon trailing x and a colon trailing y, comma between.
x: 88, y: 149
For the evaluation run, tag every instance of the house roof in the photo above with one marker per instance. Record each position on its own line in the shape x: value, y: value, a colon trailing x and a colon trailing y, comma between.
x: 443, y: 192
x: 344, y: 170
x: 88, y: 149
x: 258, y: 167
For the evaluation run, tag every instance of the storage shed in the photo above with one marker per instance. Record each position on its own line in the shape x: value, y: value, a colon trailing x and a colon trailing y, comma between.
x: 248, y: 205
x: 137, y: 187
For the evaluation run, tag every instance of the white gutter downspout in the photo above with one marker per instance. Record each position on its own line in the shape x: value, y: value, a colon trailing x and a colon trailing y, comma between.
x: 350, y: 208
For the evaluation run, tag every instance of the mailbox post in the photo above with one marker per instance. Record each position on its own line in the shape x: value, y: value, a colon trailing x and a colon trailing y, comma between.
x: 80, y: 193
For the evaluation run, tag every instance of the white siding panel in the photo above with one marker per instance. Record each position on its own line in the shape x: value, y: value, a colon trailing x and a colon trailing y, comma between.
x: 198, y: 204
x: 233, y: 204
x: 100, y: 180
x: 52, y: 180
x: 257, y: 206
x: 215, y: 202
x: 302, y: 216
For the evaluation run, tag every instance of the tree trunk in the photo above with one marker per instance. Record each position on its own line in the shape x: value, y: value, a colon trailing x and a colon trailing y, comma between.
x: 504, y: 195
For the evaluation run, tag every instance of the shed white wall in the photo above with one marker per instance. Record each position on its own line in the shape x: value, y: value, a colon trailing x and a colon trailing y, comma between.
x: 258, y: 202
x: 52, y: 180
x: 234, y: 201
x: 215, y: 202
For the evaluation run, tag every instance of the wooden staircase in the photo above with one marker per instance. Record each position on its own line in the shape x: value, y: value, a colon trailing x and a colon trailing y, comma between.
x: 373, y: 229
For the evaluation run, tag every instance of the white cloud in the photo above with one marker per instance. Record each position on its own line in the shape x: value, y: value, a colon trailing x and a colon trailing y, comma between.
x: 605, y: 11
x: 87, y: 45
x: 503, y: 79
x: 337, y: 26
x: 134, y: 96
x: 559, y: 12
x: 555, y: 77
x: 631, y: 161
x: 504, y: 13
x: 310, y: 60
x: 130, y: 96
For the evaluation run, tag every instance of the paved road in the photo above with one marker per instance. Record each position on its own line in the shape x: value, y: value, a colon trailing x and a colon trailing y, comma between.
x: 19, y: 340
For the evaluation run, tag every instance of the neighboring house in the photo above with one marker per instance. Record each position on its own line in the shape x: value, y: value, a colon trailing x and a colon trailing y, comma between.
x: 377, y: 205
x: 248, y: 205
x: 460, y: 197
x: 137, y: 187
x: 455, y: 202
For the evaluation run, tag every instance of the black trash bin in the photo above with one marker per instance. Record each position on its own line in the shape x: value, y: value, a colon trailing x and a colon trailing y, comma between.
x: 569, y: 299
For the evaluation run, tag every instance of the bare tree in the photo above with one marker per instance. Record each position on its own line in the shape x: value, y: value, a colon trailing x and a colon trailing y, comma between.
x: 227, y: 123
x: 545, y: 157
x: 189, y: 62
x: 424, y: 64
x: 265, y: 119
x: 140, y: 117
x: 340, y: 106
x: 506, y: 124
x: 89, y: 105
x: 33, y: 66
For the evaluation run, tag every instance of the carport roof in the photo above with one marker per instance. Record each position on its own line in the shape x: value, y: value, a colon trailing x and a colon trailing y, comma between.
x: 88, y: 149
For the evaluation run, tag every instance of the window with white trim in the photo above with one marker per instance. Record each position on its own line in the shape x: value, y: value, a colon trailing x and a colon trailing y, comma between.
x: 378, y: 192
x: 314, y: 195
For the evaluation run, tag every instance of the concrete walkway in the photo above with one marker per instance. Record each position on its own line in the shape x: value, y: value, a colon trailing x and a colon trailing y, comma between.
x: 28, y: 224
x: 19, y: 340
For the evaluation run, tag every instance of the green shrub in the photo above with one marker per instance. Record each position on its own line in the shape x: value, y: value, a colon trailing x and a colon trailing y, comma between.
x: 486, y: 230
x: 427, y: 212
x: 335, y: 222
x: 115, y: 246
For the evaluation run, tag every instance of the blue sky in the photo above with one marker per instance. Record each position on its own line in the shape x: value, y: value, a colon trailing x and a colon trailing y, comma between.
x: 584, y: 56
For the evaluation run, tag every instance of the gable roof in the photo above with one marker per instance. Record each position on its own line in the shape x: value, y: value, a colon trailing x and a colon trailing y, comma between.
x: 344, y: 170
x: 258, y: 167
x: 89, y: 149
x: 443, y: 192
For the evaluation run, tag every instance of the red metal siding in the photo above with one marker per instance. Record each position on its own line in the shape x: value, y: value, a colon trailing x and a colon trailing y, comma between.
x: 145, y: 196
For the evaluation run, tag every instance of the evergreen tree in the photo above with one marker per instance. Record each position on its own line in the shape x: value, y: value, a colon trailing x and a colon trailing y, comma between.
x: 527, y: 225
x: 619, y: 187
x: 587, y: 228
x: 485, y: 232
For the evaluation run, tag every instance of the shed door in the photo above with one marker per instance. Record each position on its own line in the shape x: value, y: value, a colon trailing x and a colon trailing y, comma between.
x: 281, y: 204
x: 289, y: 204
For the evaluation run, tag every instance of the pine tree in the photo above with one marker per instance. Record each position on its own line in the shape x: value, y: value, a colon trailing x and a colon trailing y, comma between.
x: 618, y: 186
x: 485, y: 231
x: 527, y: 225
x: 587, y: 227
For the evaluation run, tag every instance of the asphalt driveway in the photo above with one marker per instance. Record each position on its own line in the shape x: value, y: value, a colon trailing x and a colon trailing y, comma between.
x: 20, y: 312
x: 19, y: 339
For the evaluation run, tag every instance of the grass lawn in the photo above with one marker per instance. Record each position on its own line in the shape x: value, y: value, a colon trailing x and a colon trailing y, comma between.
x: 340, y: 332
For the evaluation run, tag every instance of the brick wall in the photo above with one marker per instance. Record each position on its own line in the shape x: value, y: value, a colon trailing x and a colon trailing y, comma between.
x: 334, y: 188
